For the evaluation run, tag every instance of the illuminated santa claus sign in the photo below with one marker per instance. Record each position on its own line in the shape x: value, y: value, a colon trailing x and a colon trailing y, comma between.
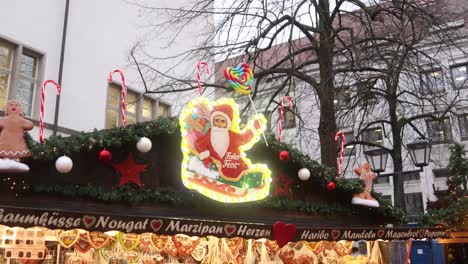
x: 215, y: 163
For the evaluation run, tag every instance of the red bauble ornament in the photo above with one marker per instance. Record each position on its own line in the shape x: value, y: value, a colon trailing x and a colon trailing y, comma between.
x: 284, y: 155
x: 331, y: 186
x: 105, y: 156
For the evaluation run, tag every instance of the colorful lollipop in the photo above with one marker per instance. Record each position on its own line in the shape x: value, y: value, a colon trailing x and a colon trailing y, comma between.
x: 241, y: 78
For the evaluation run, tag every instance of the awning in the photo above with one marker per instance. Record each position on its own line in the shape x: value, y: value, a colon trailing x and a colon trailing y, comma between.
x: 128, y: 223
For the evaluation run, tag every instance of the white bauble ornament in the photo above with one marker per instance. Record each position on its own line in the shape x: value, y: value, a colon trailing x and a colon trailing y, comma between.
x: 303, y: 174
x: 144, y: 144
x: 64, y: 164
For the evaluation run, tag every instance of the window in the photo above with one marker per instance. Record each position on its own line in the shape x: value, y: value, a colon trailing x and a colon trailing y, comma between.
x: 381, y: 180
x: 6, y: 62
x: 414, y: 205
x: 163, y: 109
x: 289, y: 119
x: 459, y: 75
x: 432, y: 82
x: 19, y: 75
x: 412, y: 177
x: 136, y: 109
x: 131, y: 107
x: 343, y: 98
x: 463, y: 124
x: 351, y: 149
x: 441, y: 173
x: 148, y: 109
x: 365, y: 95
x: 439, y: 131
x: 373, y: 135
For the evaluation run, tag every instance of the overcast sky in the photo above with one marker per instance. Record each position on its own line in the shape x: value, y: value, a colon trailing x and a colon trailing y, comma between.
x: 236, y: 34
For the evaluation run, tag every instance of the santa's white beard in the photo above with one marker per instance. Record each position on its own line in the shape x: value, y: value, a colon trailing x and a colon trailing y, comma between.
x: 220, y: 140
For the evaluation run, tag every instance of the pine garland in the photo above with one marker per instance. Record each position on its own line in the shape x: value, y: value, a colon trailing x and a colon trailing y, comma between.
x: 125, y: 138
x: 321, y: 174
x: 56, y: 146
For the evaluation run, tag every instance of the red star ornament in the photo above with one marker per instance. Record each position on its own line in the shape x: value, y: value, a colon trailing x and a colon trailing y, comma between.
x: 282, y: 185
x: 129, y: 170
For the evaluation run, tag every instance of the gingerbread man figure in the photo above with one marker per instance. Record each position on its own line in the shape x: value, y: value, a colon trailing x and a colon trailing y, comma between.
x: 12, y: 143
x: 365, y: 198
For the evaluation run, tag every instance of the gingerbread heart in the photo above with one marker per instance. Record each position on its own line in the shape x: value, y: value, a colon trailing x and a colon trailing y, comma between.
x: 328, y: 245
x: 318, y: 248
x: 199, y: 253
x: 283, y: 233
x: 340, y: 249
x: 234, y: 243
x: 287, y: 255
x: 112, y: 241
x: 170, y: 248
x: 83, y: 245
x: 98, y: 239
x: 145, y: 242
x: 185, y: 244
x: 128, y: 241
x: 272, y: 246
x: 106, y: 253
x: 67, y: 238
x: 159, y: 242
x: 132, y: 256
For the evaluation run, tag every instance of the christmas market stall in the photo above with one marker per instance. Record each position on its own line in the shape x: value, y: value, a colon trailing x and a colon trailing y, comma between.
x: 201, y: 188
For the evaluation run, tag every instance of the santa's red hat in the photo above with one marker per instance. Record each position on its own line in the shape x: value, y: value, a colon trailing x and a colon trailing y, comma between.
x: 224, y: 110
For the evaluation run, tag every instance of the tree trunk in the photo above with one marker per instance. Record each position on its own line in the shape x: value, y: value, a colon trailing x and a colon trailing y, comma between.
x: 326, y: 90
x: 398, y: 178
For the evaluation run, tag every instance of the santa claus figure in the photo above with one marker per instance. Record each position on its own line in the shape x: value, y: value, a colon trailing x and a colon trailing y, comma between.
x: 220, y: 145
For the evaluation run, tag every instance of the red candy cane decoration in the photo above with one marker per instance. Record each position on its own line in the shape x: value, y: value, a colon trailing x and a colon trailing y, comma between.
x: 41, y: 121
x: 122, y: 78
x: 280, y: 126
x: 343, y: 141
x: 207, y: 69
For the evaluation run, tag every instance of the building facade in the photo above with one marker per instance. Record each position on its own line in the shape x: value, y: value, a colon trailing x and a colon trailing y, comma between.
x: 446, y: 77
x: 78, y: 43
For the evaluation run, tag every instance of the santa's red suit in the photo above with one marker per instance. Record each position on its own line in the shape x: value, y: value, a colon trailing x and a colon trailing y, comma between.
x: 221, y: 145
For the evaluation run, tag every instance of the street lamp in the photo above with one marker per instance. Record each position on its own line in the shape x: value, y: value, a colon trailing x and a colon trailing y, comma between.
x: 420, y: 151
x: 377, y: 159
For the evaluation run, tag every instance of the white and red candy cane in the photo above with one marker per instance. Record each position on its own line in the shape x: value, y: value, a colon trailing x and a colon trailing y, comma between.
x: 280, y: 125
x: 41, y: 121
x: 122, y: 78
x: 343, y: 142
x: 207, y: 69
